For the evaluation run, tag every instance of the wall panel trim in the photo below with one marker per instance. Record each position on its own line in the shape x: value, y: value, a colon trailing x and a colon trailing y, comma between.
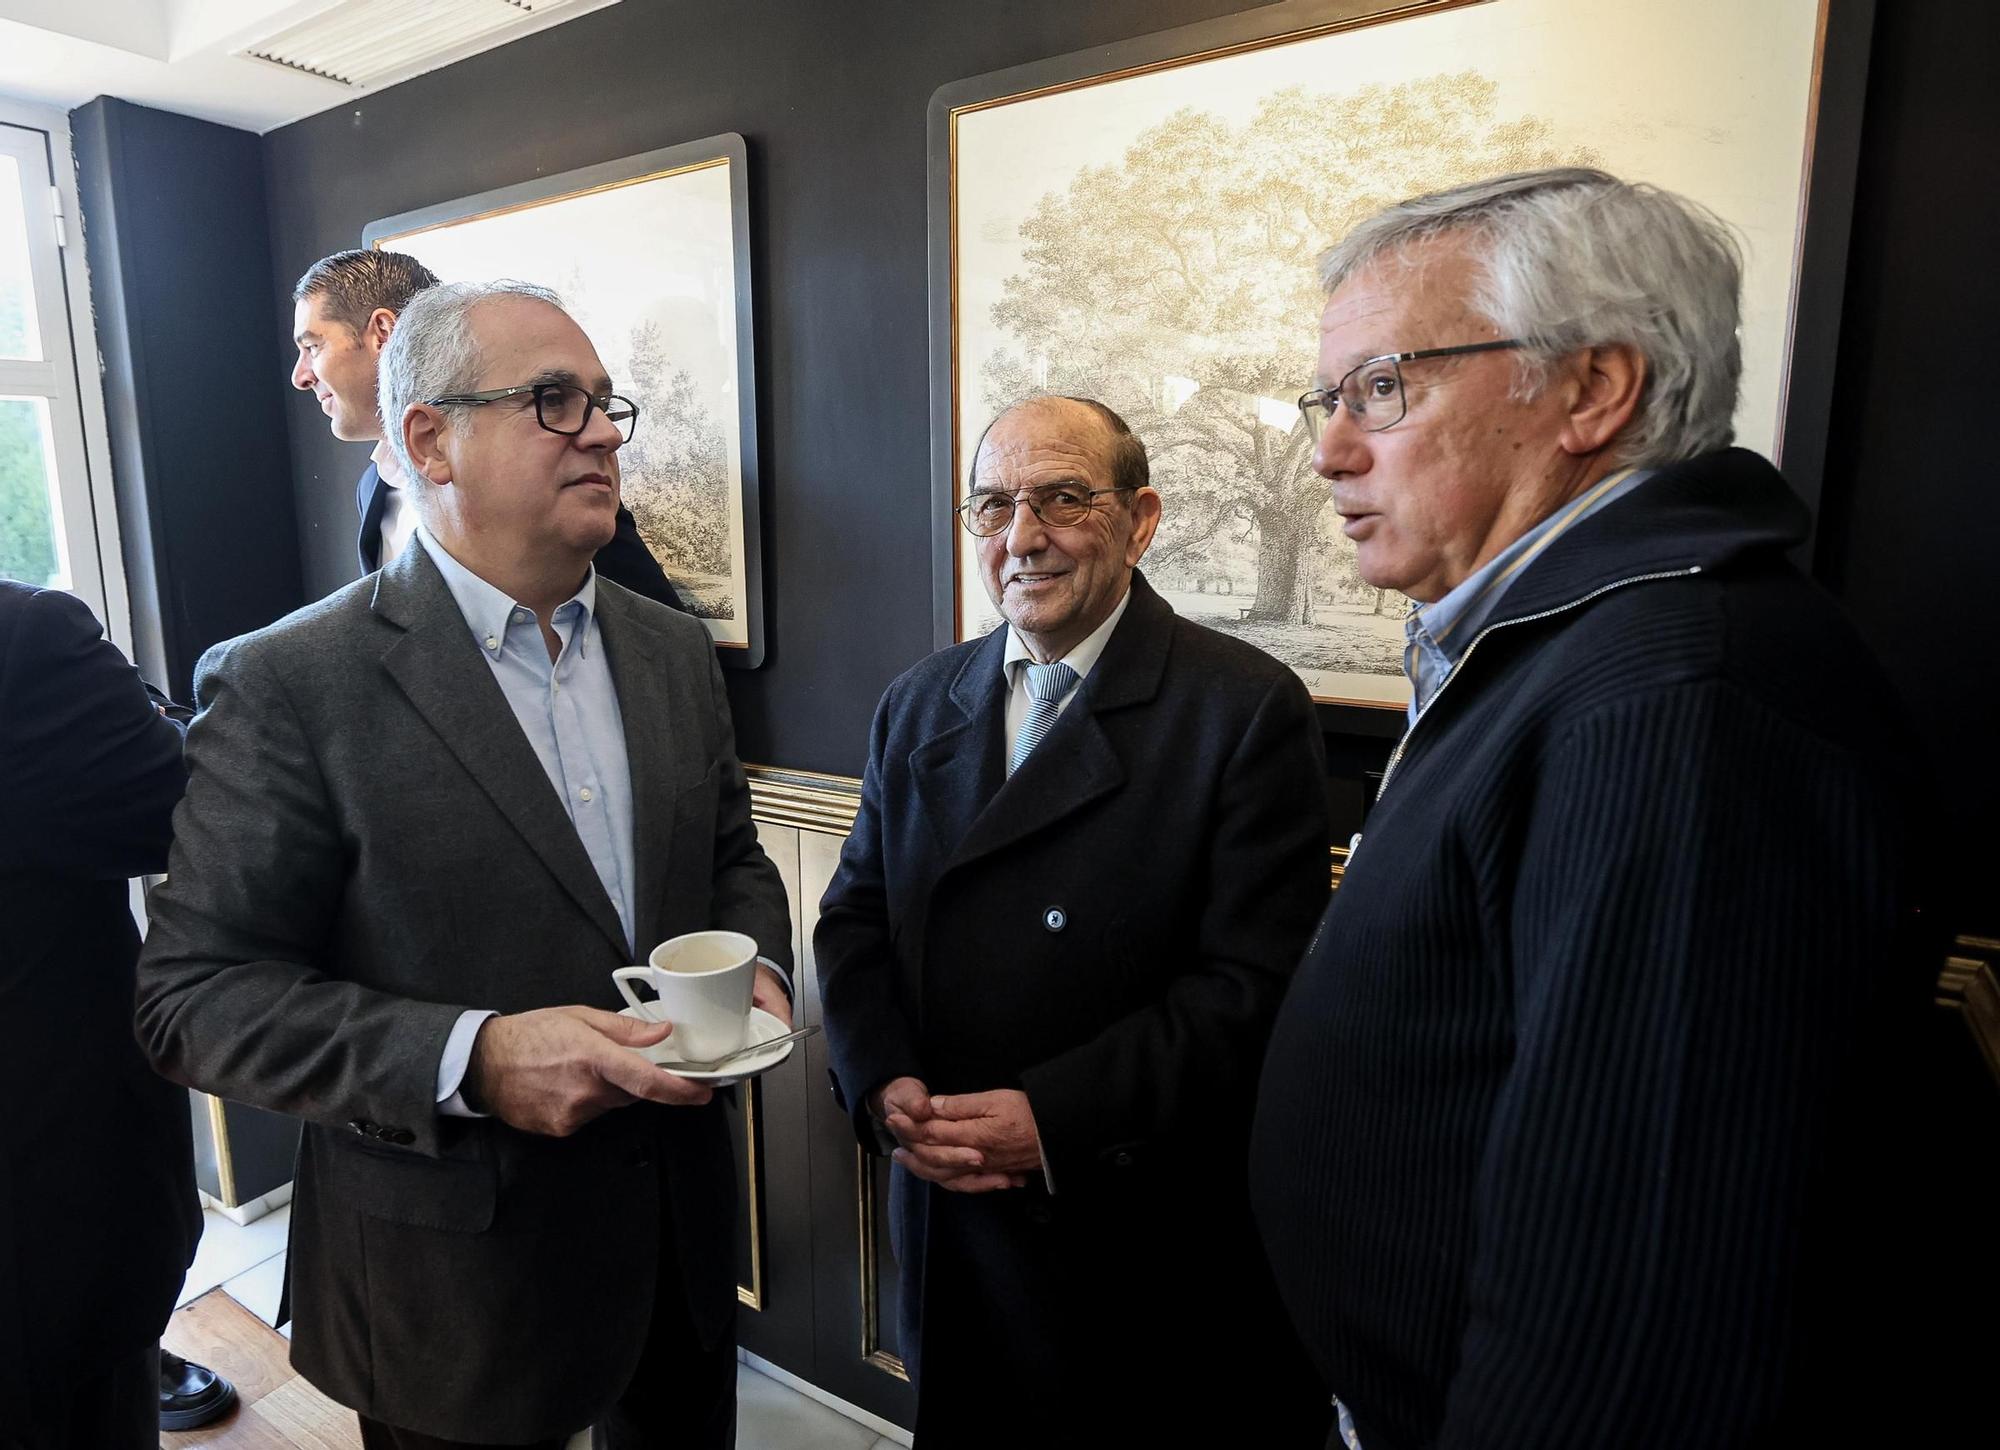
x: 806, y: 799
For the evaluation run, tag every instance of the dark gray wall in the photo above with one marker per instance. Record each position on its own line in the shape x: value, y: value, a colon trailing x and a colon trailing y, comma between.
x: 1910, y: 528
x: 175, y: 227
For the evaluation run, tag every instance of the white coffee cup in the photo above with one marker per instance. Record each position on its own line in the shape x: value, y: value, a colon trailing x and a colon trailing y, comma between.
x: 702, y: 982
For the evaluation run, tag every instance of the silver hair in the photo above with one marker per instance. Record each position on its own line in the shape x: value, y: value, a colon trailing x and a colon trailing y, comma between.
x: 432, y: 352
x: 1571, y: 258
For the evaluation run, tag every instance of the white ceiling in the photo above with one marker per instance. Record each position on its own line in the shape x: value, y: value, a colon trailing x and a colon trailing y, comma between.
x: 178, y: 55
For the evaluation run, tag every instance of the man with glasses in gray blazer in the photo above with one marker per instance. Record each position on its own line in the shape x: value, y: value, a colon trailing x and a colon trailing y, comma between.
x: 427, y: 818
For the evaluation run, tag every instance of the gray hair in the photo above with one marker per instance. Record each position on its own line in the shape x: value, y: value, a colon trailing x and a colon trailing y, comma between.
x: 1573, y: 258
x: 432, y: 352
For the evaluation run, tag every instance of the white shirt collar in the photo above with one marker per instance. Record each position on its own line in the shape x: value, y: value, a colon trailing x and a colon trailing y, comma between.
x: 487, y: 610
x: 1079, y: 659
x: 387, y: 463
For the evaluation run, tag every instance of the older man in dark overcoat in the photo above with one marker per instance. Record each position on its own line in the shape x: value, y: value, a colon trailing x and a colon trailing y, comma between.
x: 1090, y: 848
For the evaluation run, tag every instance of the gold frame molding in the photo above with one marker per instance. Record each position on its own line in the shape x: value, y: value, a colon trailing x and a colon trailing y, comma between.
x: 806, y: 800
x: 1970, y: 986
x: 810, y: 800
x: 872, y: 1352
x: 800, y: 800
x: 751, y: 1295
x: 225, y: 1159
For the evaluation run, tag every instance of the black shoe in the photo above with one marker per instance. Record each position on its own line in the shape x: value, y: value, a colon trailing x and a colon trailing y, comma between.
x: 191, y: 1395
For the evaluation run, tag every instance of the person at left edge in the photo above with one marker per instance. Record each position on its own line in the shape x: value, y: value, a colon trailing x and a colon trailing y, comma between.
x: 98, y: 1215
x: 343, y: 310
x: 427, y: 818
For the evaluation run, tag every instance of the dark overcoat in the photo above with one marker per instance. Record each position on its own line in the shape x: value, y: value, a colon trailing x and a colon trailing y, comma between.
x: 1110, y: 930
x: 98, y: 1216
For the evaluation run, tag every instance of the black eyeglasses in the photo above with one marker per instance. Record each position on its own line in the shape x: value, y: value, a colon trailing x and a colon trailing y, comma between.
x: 560, y: 407
x: 1372, y: 391
x: 1059, y: 505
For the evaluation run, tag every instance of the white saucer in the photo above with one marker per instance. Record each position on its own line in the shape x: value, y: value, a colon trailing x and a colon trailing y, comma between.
x: 763, y: 1026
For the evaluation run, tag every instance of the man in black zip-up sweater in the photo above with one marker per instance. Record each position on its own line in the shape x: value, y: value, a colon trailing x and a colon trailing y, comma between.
x: 1571, y: 1130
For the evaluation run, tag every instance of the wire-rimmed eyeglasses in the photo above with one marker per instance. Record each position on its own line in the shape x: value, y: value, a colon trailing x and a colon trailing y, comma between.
x: 1372, y: 390
x: 1059, y: 505
x: 560, y: 407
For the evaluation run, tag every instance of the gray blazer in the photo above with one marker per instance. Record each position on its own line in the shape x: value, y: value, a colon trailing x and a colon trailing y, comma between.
x: 368, y: 847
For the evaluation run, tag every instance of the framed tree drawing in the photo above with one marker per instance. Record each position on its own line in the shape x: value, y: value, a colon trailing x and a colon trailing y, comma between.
x: 1140, y: 224
x: 651, y: 256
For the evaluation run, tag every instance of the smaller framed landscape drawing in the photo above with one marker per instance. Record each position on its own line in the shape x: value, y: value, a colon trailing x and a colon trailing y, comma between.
x: 1140, y: 224
x: 650, y: 254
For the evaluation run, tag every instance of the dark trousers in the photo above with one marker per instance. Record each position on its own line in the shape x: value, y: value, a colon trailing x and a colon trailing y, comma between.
x: 682, y: 1396
x: 118, y: 1409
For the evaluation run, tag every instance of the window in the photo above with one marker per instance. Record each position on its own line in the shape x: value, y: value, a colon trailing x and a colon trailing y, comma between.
x: 49, y: 519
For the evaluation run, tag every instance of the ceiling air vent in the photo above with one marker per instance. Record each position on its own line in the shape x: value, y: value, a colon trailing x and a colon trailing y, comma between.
x: 369, y: 43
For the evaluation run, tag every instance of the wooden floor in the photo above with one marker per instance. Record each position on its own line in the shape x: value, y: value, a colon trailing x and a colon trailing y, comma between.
x: 276, y: 1409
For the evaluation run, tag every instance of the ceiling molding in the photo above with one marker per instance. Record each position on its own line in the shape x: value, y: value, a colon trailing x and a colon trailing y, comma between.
x: 253, y: 64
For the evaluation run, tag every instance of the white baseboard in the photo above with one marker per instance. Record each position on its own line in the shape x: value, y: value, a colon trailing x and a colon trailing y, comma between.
x: 248, y: 1213
x: 887, y: 1429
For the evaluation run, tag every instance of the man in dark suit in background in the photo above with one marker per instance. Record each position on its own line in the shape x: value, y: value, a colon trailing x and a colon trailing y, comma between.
x: 1089, y: 849
x: 427, y: 818
x: 343, y: 311
x: 98, y: 1215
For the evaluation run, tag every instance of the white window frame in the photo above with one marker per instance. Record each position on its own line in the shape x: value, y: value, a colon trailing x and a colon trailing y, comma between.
x: 70, y: 374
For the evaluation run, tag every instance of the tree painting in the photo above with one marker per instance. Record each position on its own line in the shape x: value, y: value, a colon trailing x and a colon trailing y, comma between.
x: 1178, y: 285
x: 675, y: 473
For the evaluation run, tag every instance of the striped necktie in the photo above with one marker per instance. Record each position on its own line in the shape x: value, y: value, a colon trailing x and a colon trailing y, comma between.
x: 1047, y: 684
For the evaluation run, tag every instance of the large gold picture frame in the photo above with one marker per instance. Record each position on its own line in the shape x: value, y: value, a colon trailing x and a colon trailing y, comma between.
x: 1140, y: 223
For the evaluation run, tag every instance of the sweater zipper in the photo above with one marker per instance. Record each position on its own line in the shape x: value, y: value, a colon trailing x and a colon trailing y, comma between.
x: 1396, y: 757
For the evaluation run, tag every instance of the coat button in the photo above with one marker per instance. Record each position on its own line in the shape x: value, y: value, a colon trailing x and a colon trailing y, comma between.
x: 1038, y: 1213
x: 401, y: 1137
x: 1122, y: 1158
x: 1055, y: 918
x: 361, y: 1126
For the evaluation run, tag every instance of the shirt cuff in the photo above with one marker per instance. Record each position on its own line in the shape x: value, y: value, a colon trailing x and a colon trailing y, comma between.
x: 457, y: 1058
x: 784, y: 979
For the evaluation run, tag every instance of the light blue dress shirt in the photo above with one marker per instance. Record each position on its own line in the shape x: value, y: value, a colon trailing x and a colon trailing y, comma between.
x: 1437, y: 635
x: 568, y: 709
